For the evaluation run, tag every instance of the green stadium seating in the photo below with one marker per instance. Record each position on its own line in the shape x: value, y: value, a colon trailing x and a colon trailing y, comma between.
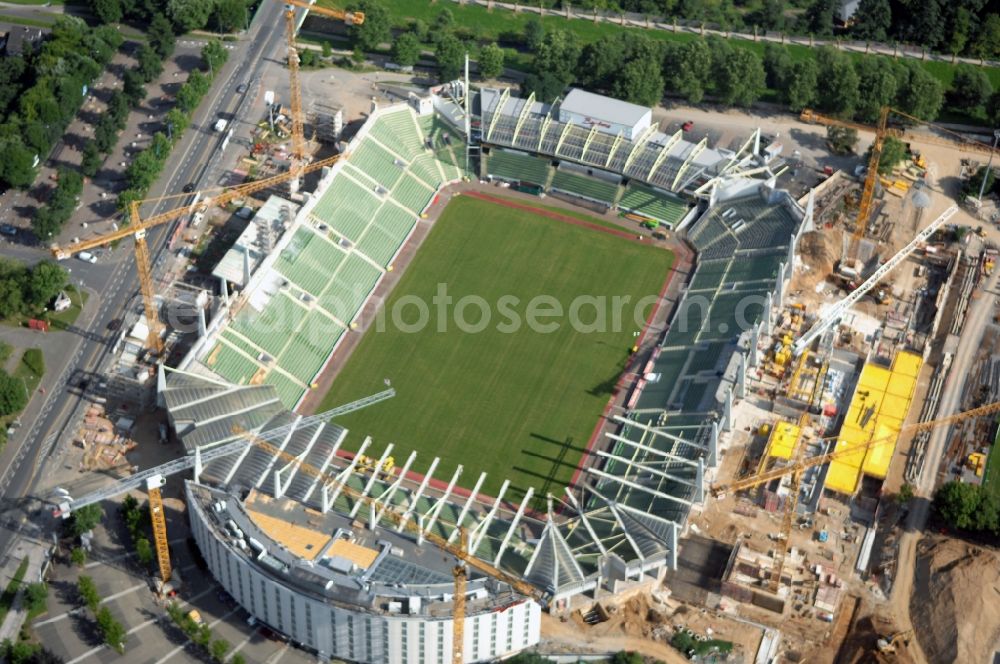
x: 309, y: 347
x: 587, y: 187
x: 378, y: 245
x: 650, y: 203
x: 517, y: 167
x: 288, y: 390
x: 231, y: 364
x: 271, y: 328
x: 378, y: 164
x: 425, y: 167
x: 399, y: 132
x: 346, y: 293
x: 413, y: 194
x: 309, y: 261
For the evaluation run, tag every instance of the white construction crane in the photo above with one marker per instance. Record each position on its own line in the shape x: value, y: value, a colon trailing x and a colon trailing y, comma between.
x: 834, y: 313
x: 154, y: 478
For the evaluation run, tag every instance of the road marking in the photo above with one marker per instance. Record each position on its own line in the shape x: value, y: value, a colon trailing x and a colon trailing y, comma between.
x: 62, y: 616
x: 185, y: 644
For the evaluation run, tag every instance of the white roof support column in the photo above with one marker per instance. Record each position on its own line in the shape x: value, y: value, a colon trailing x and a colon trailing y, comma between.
x: 545, y: 128
x: 728, y: 412
x: 754, y: 343
x: 586, y: 143
x: 641, y: 467
x: 647, y: 448
x: 741, y: 377
x: 513, y: 525
x: 479, y: 532
x: 326, y: 463
x: 656, y: 432
x: 436, y: 510
x: 292, y: 467
x: 671, y: 535
x: 639, y: 487
x: 497, y: 113
x: 613, y: 508
x: 713, y: 445
x: 386, y: 497
x: 695, y: 151
x: 415, y: 498
x: 700, y: 481
x: 614, y: 149
x: 637, y: 147
x: 198, y: 468
x: 585, y: 521
x: 562, y: 137
x: 465, y: 507
x: 664, y: 153
x: 522, y: 116
x: 344, y: 476
x: 371, y: 480
x: 274, y: 459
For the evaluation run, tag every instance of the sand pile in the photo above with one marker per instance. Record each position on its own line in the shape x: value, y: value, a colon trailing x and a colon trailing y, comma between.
x: 955, y: 604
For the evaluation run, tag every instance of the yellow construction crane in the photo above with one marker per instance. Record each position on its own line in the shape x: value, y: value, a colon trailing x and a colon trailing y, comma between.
x: 458, y: 607
x: 350, y: 18
x: 138, y: 227
x: 809, y: 462
x: 882, y: 131
x: 800, y: 465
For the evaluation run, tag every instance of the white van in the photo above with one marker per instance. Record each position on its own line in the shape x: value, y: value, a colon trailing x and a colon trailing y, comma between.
x: 87, y: 257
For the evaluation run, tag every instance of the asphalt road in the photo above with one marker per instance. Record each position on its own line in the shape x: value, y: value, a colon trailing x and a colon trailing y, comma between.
x: 114, y: 282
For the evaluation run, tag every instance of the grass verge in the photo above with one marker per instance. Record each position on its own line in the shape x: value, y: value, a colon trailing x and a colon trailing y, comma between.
x: 7, y: 598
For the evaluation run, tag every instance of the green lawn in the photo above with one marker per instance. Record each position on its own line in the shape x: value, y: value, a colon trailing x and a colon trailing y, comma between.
x: 30, y: 368
x: 520, y: 405
x: 490, y: 26
x: 991, y: 475
x: 7, y: 598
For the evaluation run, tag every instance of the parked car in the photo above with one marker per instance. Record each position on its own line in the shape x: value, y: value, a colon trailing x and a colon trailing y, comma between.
x: 87, y: 257
x: 188, y: 188
x: 7, y: 229
x: 241, y: 88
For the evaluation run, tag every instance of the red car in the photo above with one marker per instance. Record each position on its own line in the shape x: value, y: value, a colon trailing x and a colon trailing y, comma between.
x: 688, y: 126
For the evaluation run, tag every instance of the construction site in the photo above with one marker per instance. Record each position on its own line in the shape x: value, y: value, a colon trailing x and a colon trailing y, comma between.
x: 745, y: 494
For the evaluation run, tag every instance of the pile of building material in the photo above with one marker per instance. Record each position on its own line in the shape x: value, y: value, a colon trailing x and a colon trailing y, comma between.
x: 104, y: 445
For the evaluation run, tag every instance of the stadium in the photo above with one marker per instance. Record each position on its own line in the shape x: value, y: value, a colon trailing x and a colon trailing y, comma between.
x: 491, y: 439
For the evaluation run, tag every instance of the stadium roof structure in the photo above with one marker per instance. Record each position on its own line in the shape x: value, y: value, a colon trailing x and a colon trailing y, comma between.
x: 604, y: 108
x: 307, y: 289
x: 256, y: 241
x: 667, y: 161
x: 560, y: 553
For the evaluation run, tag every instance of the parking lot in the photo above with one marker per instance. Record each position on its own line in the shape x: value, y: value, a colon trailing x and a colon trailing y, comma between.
x: 69, y: 631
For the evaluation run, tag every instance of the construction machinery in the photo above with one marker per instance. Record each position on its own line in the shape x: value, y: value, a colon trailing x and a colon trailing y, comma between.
x: 801, y: 465
x: 138, y: 228
x: 809, y: 462
x: 298, y: 153
x: 155, y: 478
x: 458, y: 609
x: 882, y: 131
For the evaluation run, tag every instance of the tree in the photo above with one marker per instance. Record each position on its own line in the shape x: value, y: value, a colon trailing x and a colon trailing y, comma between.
x: 44, y: 283
x: 111, y: 630
x: 160, y: 35
x: 739, y: 77
x: 87, y: 590
x: 640, y: 82
x: 491, y: 59
x: 78, y: 556
x: 534, y: 34
x: 327, y: 50
x: 108, y: 11
x: 777, y: 65
x: 150, y: 65
x: 17, y: 164
x: 841, y: 140
x: 987, y: 41
x: 905, y: 494
x: 545, y: 86
x: 973, y: 184
x: 839, y: 92
x: 558, y: 56
x: 920, y: 94
x: 12, y: 393
x: 406, y: 50
x: 90, y: 160
x: 133, y: 87
x: 214, y: 55
x: 970, y: 89
x: 35, y: 596
x: 84, y: 519
x: 872, y: 20
x: 627, y: 657
x: 893, y: 152
x: 961, y: 28
x: 189, y: 15
x: 144, y: 551
x: 801, y: 85
x: 770, y: 15
x: 375, y: 30
x: 218, y: 649
x: 686, y: 68
x: 957, y: 503
x: 819, y: 17
x: 237, y: 659
x: 230, y: 15
x: 450, y: 56
x: 877, y: 77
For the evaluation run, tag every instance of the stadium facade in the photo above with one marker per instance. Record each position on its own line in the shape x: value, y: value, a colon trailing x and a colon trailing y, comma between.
x: 310, y: 559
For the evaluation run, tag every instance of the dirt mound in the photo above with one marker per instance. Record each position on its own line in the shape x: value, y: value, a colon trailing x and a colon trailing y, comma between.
x: 955, y: 604
x: 819, y: 251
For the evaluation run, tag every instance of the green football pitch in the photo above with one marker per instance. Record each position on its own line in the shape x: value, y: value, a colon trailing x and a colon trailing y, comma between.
x: 519, y: 405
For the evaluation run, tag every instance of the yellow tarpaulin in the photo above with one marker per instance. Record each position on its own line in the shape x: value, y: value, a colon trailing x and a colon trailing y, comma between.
x: 783, y: 437
x: 880, y: 403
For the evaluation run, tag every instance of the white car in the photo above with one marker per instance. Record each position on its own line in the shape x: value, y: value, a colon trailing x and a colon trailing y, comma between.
x: 87, y: 257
